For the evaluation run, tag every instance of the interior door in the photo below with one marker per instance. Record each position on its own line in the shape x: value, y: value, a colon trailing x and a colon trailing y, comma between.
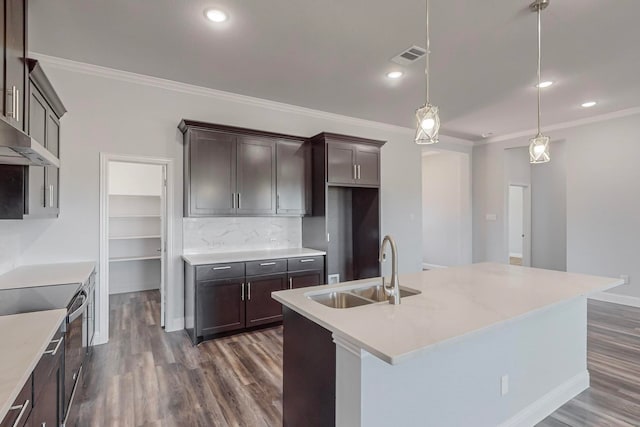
x: 341, y: 162
x: 163, y: 246
x: 256, y: 176
x: 292, y: 159
x: 212, y: 173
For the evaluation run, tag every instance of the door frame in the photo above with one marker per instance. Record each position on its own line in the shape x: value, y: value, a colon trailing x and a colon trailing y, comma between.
x: 526, y: 227
x: 167, y: 301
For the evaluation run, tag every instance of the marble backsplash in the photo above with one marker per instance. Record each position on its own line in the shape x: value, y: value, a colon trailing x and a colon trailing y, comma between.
x: 211, y: 235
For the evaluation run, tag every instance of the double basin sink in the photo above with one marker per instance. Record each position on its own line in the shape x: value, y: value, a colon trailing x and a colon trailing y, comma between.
x: 368, y: 294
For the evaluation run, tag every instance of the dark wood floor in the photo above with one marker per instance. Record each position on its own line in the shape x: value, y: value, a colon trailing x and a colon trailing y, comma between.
x: 146, y: 377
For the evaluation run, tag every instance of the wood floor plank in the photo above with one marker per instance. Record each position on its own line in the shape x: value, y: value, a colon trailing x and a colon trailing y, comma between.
x: 145, y: 377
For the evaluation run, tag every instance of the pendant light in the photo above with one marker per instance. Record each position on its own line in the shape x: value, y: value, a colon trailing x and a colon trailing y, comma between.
x: 427, y: 119
x: 539, y: 146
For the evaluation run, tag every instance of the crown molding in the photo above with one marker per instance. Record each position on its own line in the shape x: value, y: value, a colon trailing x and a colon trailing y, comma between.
x: 142, y: 79
x: 564, y: 125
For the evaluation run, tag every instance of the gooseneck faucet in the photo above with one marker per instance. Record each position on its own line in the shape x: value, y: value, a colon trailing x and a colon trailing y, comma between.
x: 394, y: 290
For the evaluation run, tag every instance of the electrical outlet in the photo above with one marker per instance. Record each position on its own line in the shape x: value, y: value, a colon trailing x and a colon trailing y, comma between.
x: 504, y: 385
x: 334, y: 279
x: 626, y: 278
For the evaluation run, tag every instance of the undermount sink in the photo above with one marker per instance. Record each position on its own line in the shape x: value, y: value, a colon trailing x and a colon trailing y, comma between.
x: 368, y: 294
x: 377, y: 293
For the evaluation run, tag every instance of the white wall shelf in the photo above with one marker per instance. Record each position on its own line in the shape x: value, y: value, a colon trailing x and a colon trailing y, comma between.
x: 133, y: 237
x: 139, y: 258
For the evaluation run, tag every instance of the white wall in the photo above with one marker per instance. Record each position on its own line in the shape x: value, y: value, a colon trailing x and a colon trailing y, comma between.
x: 135, y: 179
x: 446, y: 208
x: 122, y: 113
x: 602, y: 202
x: 516, y: 220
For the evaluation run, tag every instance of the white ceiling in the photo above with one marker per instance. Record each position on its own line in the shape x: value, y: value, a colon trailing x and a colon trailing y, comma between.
x: 332, y: 55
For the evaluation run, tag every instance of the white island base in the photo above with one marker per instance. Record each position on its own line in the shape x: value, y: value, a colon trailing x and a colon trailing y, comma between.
x: 512, y: 375
x: 479, y: 345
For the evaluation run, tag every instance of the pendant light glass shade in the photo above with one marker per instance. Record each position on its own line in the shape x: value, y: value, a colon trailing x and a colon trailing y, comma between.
x: 427, y: 125
x: 539, y: 146
x: 427, y: 118
x: 539, y: 149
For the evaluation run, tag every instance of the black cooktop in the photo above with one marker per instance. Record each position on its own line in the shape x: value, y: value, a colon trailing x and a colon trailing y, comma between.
x: 26, y: 300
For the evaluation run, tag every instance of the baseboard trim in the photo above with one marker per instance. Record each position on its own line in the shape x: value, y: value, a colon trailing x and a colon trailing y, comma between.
x: 616, y: 299
x: 550, y: 402
x: 432, y: 266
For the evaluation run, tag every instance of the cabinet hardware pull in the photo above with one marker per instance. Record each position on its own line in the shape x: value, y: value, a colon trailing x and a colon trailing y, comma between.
x: 307, y: 260
x: 55, y: 350
x: 226, y: 267
x: 278, y: 201
x: 50, y: 195
x: 242, y: 292
x: 17, y: 105
x: 358, y: 171
x: 239, y: 202
x: 249, y: 291
x: 290, y: 282
x: 355, y: 172
x: 264, y: 264
x: 233, y: 200
x: 23, y: 409
x: 12, y: 93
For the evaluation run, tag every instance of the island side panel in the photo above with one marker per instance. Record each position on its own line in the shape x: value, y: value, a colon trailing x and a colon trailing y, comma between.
x: 309, y: 384
x: 544, y: 354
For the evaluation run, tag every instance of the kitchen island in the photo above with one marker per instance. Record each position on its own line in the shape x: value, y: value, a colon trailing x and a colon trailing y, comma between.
x: 482, y: 345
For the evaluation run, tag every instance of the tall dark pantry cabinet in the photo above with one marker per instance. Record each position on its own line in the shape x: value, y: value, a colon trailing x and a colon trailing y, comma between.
x: 345, y: 218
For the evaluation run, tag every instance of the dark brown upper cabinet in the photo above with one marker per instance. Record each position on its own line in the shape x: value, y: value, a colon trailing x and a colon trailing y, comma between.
x: 256, y: 165
x: 15, y: 49
x: 292, y: 164
x: 234, y: 171
x: 352, y: 163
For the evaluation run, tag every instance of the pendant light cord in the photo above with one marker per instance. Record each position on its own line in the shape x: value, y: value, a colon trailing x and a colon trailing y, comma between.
x: 539, y: 57
x: 426, y: 68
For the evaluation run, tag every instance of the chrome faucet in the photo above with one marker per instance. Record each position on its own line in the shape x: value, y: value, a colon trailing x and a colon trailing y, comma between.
x: 394, y: 290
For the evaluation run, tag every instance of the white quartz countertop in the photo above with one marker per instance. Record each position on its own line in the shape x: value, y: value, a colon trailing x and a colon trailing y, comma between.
x: 24, y: 339
x: 217, y: 258
x: 454, y: 303
x: 28, y: 276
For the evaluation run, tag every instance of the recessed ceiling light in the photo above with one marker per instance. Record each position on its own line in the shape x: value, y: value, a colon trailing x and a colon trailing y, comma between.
x: 395, y: 74
x: 215, y: 15
x: 545, y: 84
x: 589, y: 104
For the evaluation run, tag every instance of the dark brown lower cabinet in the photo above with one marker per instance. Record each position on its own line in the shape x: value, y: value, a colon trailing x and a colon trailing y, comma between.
x: 261, y: 307
x: 221, y: 306
x: 309, y: 368
x: 303, y: 279
x: 40, y: 402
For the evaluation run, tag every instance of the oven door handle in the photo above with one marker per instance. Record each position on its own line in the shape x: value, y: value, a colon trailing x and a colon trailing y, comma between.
x: 73, y: 316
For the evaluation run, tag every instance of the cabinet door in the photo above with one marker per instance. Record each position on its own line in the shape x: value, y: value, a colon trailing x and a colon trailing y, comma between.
x: 211, y: 163
x: 341, y: 161
x: 18, y: 413
x: 292, y: 160
x: 261, y: 308
x: 47, y: 406
x: 52, y: 176
x: 368, y: 163
x: 256, y: 176
x: 220, y: 306
x: 37, y: 130
x: 304, y: 279
x: 15, y: 68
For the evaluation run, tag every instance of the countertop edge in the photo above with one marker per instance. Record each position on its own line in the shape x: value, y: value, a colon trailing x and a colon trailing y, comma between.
x: 248, y: 256
x: 4, y: 409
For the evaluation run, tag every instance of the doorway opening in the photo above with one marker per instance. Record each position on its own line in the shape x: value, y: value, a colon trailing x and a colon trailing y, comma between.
x: 134, y: 222
x: 519, y: 224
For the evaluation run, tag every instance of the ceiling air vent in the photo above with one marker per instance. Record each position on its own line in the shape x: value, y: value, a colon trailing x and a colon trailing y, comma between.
x: 409, y: 56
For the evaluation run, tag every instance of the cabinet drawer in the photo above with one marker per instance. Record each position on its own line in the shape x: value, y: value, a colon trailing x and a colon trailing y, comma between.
x: 48, y: 362
x: 255, y: 268
x: 21, y: 407
x: 306, y: 263
x: 220, y: 271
